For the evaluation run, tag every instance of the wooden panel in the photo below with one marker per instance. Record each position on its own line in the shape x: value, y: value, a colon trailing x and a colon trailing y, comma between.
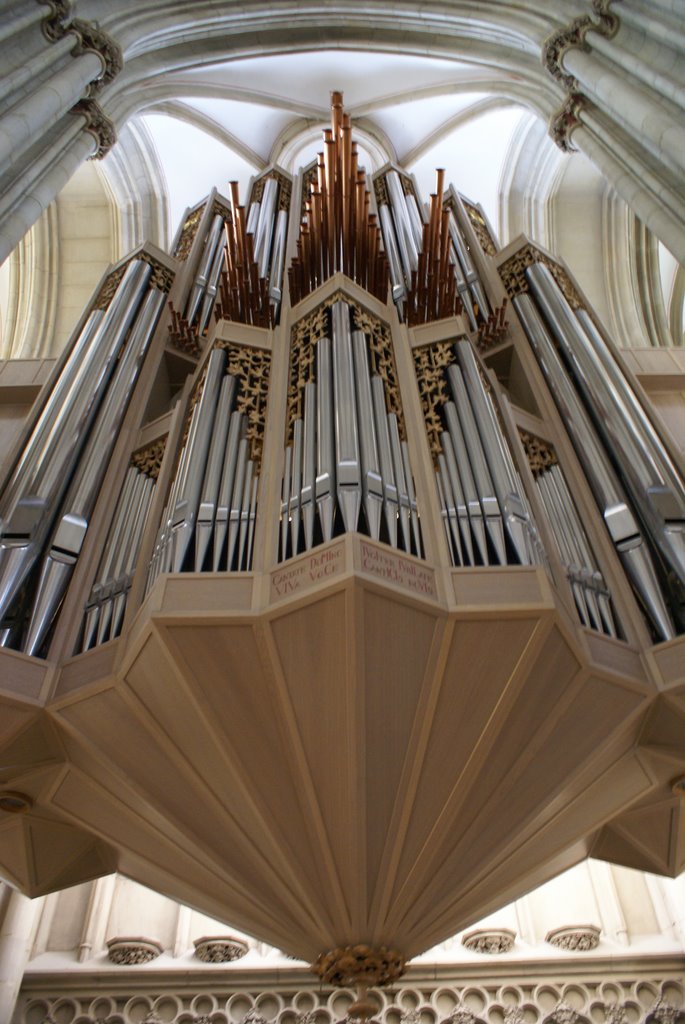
x: 481, y: 663
x: 235, y: 693
x: 499, y: 588
x: 396, y: 647
x: 315, y: 647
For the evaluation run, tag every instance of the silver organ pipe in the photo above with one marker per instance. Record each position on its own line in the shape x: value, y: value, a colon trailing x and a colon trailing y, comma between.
x: 206, y: 515
x: 74, y: 516
x: 267, y: 222
x: 492, y: 514
x: 184, y: 514
x: 652, y: 482
x: 325, y: 459
x: 504, y: 476
x: 468, y: 282
x: 60, y: 438
x: 372, y: 480
x: 619, y: 518
x: 213, y: 244
x: 208, y: 524
x: 236, y: 429
x: 349, y: 470
x: 106, y: 602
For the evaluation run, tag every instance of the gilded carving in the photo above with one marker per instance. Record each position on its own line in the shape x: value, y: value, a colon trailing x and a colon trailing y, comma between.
x: 161, y: 278
x: 251, y: 368
x: 304, y: 336
x: 480, y: 227
x: 513, y: 274
x: 284, y: 191
x: 430, y: 362
x: 540, y: 454
x: 188, y: 232
x: 148, y: 460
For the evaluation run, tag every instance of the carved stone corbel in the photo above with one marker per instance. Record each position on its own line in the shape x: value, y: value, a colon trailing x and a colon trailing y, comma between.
x: 98, y: 124
x: 565, y: 120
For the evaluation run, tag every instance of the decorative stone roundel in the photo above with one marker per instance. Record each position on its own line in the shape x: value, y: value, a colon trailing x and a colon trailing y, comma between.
x: 489, y: 940
x: 128, y: 951
x: 576, y: 938
x: 219, y: 949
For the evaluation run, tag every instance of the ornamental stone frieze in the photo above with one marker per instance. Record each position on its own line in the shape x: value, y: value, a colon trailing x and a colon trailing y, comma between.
x: 523, y: 996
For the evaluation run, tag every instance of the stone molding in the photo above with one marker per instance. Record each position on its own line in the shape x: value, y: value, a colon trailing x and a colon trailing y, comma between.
x: 573, y: 35
x: 98, y: 124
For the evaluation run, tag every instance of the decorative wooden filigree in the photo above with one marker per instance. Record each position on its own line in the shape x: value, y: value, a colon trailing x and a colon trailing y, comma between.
x: 188, y: 232
x: 148, y: 460
x: 285, y: 188
x: 431, y: 362
x: 480, y: 227
x: 306, y: 333
x: 540, y: 454
x: 161, y: 278
x: 513, y: 274
x: 251, y: 367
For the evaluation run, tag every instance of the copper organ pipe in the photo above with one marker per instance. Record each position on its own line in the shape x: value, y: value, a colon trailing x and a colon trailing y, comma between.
x: 338, y: 232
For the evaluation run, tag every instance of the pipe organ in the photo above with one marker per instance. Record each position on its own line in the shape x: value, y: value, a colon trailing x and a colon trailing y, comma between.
x: 354, y: 523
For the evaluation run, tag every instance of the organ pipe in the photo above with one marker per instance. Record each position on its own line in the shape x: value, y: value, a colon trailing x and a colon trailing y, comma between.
x: 345, y: 463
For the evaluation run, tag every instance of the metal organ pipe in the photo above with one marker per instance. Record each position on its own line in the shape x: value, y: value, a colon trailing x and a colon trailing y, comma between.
x: 352, y: 458
x: 499, y: 460
x: 618, y: 516
x: 77, y: 507
x: 37, y: 502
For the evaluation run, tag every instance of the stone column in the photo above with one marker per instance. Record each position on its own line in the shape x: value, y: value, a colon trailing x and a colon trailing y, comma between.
x: 18, y: 921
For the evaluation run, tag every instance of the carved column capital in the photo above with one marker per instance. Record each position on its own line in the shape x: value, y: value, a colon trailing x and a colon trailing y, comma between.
x: 54, y: 24
x: 91, y: 39
x: 556, y: 45
x: 98, y: 124
x: 573, y: 36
